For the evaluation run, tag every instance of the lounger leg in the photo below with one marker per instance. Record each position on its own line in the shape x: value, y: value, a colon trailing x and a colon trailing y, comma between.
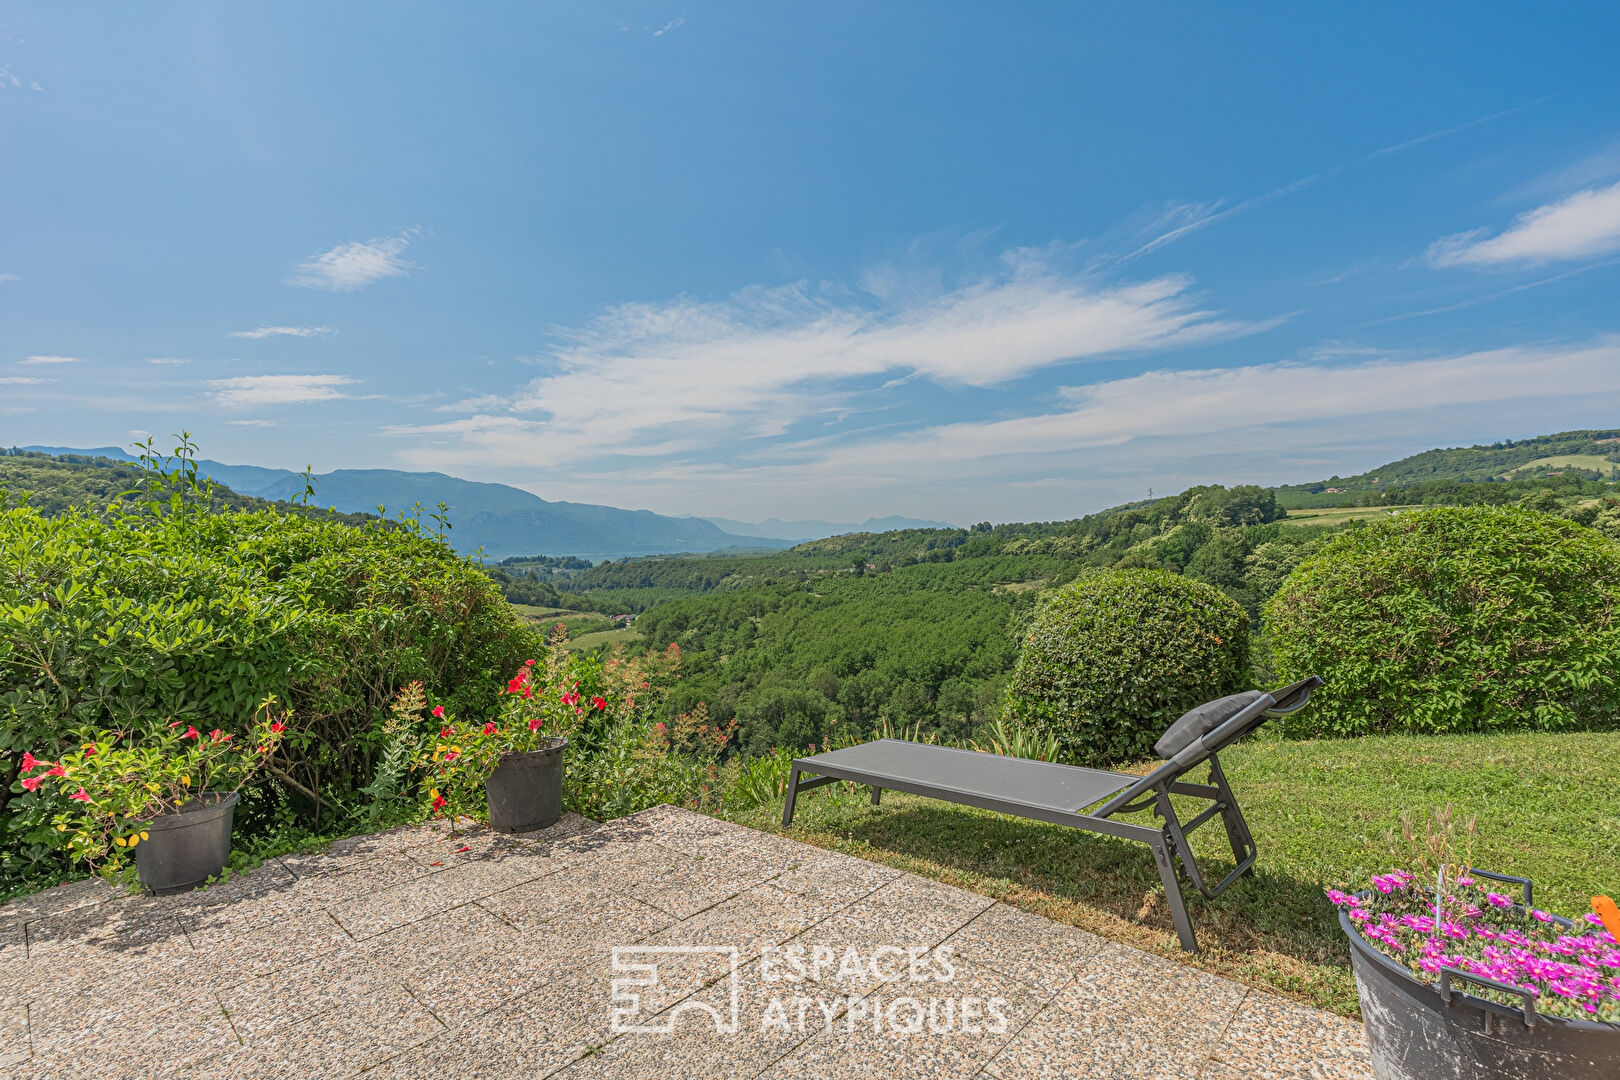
x: 792, y: 791
x: 1172, y: 896
x: 1237, y: 829
x: 877, y: 795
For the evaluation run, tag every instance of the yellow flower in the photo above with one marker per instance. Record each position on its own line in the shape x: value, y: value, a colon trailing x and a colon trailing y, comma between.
x: 120, y: 841
x: 133, y: 840
x: 433, y: 793
x: 61, y: 828
x: 186, y: 780
x: 153, y: 788
x: 145, y: 835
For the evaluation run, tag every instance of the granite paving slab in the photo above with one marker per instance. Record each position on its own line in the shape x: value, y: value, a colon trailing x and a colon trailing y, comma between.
x: 419, y: 952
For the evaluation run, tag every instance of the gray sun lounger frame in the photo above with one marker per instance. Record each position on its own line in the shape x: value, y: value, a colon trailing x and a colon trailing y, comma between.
x: 1043, y: 791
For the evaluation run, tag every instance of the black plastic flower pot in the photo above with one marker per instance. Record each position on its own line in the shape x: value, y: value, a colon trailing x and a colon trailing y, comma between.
x: 186, y: 848
x: 525, y: 790
x: 1422, y: 1031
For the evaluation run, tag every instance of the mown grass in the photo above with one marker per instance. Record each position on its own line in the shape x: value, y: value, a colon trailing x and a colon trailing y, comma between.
x: 1339, y: 515
x: 624, y: 634
x: 1323, y: 813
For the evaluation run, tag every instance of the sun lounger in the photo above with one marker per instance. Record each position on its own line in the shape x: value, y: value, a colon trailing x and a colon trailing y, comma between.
x: 1061, y: 794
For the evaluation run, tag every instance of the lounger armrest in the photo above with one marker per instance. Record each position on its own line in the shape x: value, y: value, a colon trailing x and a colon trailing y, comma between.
x: 1295, y: 695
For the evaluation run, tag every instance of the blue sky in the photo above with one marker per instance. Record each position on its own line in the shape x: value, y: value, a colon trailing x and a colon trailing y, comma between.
x: 1012, y: 262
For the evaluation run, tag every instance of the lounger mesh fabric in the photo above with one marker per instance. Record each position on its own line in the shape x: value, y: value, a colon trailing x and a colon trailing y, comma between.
x: 1070, y: 795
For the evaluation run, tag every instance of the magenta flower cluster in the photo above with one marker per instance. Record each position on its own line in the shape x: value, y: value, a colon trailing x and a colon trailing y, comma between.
x: 1574, y: 971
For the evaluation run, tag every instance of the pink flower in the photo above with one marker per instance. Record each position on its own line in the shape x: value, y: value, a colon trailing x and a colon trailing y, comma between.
x: 449, y: 756
x: 534, y: 725
x: 91, y: 751
x: 217, y: 735
x: 438, y: 712
x: 191, y: 733
x: 1497, y: 900
x: 29, y: 761
x: 57, y: 771
x: 570, y: 699
x: 32, y: 782
x: 528, y: 663
x: 80, y: 796
x: 490, y: 729
x: 658, y: 726
x: 1540, y: 916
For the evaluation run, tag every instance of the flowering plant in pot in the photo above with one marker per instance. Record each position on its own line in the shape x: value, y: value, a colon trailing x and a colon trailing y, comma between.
x: 163, y: 799
x: 1461, y: 978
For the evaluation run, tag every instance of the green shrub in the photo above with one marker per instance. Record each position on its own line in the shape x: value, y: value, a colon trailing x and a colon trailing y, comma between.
x: 1112, y: 660
x: 125, y: 621
x: 1454, y: 620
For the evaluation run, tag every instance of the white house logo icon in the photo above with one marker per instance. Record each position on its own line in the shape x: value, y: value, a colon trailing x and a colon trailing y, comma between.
x: 638, y: 966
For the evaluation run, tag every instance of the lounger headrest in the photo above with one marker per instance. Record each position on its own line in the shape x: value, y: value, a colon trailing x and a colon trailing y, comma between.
x: 1196, y: 723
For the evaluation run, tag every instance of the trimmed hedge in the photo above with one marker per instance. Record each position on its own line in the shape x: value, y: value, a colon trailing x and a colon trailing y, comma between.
x: 1454, y: 619
x: 122, y: 621
x: 1111, y: 661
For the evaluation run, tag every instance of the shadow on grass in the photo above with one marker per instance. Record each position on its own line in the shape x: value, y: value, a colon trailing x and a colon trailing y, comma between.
x: 1266, y: 927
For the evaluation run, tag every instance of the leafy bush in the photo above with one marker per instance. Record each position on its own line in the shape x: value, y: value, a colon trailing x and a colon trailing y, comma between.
x: 1454, y: 620
x: 1111, y: 660
x: 127, y: 621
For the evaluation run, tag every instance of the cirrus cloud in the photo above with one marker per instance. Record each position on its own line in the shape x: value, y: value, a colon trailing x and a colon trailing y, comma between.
x: 42, y: 360
x: 281, y: 331
x: 244, y: 391
x: 355, y: 264
x: 651, y: 379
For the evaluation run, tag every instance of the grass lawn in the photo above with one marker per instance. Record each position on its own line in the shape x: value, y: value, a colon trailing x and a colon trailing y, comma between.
x: 604, y: 637
x: 1322, y: 812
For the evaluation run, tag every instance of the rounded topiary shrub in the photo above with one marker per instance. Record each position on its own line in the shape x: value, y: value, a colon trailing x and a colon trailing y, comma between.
x: 1111, y: 661
x: 1454, y: 619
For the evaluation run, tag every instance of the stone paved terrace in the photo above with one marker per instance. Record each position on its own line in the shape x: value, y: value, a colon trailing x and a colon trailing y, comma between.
x: 397, y: 955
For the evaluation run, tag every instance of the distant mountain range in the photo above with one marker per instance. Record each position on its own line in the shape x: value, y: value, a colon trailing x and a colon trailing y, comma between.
x: 799, y: 531
x: 507, y: 521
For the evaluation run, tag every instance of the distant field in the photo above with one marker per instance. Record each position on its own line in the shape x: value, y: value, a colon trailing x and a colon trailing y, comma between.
x: 1602, y: 466
x: 624, y: 634
x: 1340, y: 515
x: 578, y: 622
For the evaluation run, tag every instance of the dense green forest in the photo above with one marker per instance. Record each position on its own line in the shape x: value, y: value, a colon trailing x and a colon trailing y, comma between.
x: 919, y: 628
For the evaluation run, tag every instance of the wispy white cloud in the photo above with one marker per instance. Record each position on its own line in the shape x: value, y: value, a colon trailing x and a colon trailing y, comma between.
x: 672, y: 25
x: 355, y: 264
x: 1584, y: 225
x: 6, y: 279
x: 1204, y: 215
x: 51, y: 360
x: 167, y: 360
x: 252, y: 423
x: 244, y: 391
x: 22, y: 380
x: 651, y: 379
x: 281, y: 331
x: 1407, y: 144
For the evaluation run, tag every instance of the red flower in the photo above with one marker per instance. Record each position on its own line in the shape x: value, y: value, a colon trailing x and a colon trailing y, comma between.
x: 264, y: 749
x: 515, y: 686
x: 449, y: 756
x: 462, y: 848
x: 658, y: 726
x: 598, y: 703
x: 445, y: 733
x: 644, y: 684
x: 490, y: 729
x: 32, y: 782
x: 570, y: 699
x: 191, y: 733
x: 80, y: 796
x: 277, y: 727
x: 528, y: 663
x: 57, y: 771
x: 217, y: 735
x: 175, y: 723
x: 534, y: 725
x: 438, y: 712
x: 29, y: 761
x: 438, y: 803
x: 91, y: 751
